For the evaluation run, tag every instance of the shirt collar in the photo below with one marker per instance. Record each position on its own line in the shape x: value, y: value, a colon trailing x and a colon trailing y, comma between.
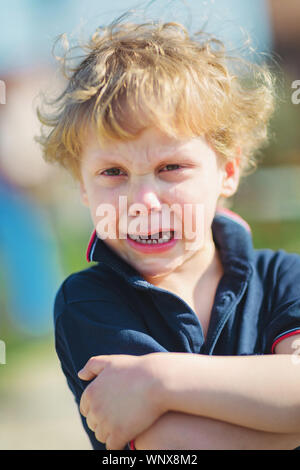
x: 232, y: 236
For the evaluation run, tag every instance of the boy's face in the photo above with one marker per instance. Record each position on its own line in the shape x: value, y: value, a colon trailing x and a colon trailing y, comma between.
x: 156, y: 172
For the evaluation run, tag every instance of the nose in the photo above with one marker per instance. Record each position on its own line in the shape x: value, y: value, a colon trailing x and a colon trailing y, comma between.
x: 146, y: 195
x: 151, y: 201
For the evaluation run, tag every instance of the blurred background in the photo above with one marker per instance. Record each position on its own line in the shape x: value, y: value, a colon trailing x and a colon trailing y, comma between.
x: 44, y: 228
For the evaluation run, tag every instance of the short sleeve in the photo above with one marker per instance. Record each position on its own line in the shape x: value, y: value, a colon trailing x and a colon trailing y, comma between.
x: 94, y: 327
x: 284, y: 317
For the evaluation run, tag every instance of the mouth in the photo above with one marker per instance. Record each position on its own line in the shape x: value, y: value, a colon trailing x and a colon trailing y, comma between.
x: 153, y: 243
x: 152, y: 239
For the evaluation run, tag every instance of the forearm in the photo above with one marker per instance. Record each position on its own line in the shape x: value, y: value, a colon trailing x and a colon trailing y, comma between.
x: 178, y: 431
x: 258, y: 392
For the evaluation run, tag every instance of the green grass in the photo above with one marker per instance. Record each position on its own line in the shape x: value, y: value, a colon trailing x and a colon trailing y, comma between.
x: 276, y: 235
x: 22, y: 351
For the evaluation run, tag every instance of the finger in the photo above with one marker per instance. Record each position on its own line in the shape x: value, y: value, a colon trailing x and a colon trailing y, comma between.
x: 100, y: 434
x: 93, y: 367
x: 92, y: 424
x: 84, y: 404
x: 112, y: 443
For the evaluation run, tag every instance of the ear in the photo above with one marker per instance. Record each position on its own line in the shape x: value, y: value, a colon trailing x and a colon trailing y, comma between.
x: 231, y: 177
x: 83, y: 194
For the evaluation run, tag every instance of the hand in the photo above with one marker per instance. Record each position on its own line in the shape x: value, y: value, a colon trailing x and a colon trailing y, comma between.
x: 124, y: 399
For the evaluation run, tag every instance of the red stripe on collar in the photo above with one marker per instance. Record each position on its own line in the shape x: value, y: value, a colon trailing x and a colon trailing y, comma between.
x: 287, y: 334
x: 88, y: 251
x: 234, y: 216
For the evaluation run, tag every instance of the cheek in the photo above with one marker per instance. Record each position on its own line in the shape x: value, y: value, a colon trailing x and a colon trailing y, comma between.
x: 204, y: 189
x: 104, y: 204
x: 198, y: 203
x: 186, y: 200
x: 190, y: 193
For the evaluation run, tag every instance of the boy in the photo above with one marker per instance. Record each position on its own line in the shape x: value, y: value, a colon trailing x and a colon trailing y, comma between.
x: 153, y: 119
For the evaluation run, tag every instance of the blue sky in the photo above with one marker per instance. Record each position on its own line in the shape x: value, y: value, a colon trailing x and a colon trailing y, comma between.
x: 28, y: 27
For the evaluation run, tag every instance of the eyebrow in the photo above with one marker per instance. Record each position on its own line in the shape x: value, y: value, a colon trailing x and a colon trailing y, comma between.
x: 115, y: 160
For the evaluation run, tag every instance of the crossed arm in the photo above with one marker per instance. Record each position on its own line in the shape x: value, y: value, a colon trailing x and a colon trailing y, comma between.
x: 177, y: 431
x: 188, y: 401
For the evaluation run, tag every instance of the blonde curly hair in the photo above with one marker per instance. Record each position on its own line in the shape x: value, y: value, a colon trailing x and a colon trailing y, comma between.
x: 133, y: 76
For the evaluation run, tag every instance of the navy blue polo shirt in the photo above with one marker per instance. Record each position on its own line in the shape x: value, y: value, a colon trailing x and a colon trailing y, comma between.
x: 110, y: 308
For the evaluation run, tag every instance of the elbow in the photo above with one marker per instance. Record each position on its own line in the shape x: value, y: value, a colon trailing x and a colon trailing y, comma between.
x: 162, y: 435
x: 167, y: 433
x: 288, y: 420
x: 148, y: 440
x: 294, y: 420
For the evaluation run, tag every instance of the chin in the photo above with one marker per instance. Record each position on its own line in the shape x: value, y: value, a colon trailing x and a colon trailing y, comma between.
x: 154, y: 272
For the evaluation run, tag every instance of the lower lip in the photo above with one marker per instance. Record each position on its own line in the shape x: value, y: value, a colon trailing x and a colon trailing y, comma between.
x: 153, y: 248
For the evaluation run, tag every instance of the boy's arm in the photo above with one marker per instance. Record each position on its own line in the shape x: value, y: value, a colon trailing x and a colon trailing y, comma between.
x: 87, y: 328
x: 178, y: 431
x: 175, y: 430
x: 257, y: 392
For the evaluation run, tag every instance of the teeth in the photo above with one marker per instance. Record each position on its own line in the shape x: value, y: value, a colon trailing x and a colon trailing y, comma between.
x: 154, y: 238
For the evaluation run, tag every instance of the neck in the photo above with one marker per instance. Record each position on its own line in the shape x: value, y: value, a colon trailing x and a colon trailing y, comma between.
x: 205, y: 262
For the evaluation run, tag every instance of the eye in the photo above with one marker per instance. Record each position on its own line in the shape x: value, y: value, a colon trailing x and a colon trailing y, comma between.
x: 113, y: 172
x: 170, y: 167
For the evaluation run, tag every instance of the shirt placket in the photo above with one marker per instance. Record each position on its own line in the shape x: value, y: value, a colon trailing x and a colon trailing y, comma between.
x: 229, y: 294
x: 182, y: 321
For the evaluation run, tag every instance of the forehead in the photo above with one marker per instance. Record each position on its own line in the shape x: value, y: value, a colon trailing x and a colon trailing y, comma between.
x: 151, y: 145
